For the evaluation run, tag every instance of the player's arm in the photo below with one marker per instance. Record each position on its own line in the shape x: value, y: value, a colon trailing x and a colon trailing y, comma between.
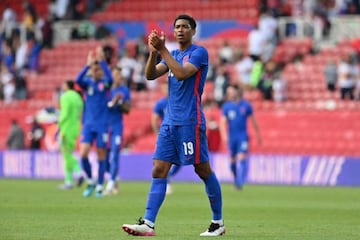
x: 153, y: 70
x: 104, y: 66
x: 223, y: 129
x: 179, y: 71
x: 80, y: 79
x: 155, y: 119
x: 64, y: 110
x: 125, y: 107
x: 257, y: 129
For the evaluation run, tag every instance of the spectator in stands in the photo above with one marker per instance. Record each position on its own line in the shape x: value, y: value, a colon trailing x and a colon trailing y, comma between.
x: 33, y: 54
x: 7, y: 80
x: 36, y: 135
x: 243, y: 67
x: 8, y: 55
x: 331, y: 75
x: 127, y: 64
x: 279, y: 88
x: 268, y: 26
x: 8, y: 23
x: 20, y: 86
x: 221, y: 82
x: 139, y: 80
x: 348, y: 75
x: 234, y: 132
x: 226, y: 53
x: 16, y: 138
x: 266, y: 81
x: 60, y: 8
x: 256, y: 43
x: 21, y: 49
x: 29, y: 16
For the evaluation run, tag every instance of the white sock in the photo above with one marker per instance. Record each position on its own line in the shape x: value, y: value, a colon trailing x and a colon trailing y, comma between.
x: 99, y: 187
x: 220, y: 222
x: 90, y: 181
x: 149, y: 223
x: 110, y: 185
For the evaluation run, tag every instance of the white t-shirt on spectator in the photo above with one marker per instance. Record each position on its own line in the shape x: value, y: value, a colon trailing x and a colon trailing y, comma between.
x: 347, y: 69
x: 243, y: 69
x: 256, y: 42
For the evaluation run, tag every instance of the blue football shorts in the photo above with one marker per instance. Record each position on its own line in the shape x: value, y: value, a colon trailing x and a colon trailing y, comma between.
x: 239, y: 145
x: 182, y: 145
x: 116, y: 138
x: 89, y: 135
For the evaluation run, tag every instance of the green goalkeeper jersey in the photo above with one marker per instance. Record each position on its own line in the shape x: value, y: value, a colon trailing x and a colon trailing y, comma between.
x: 71, y: 107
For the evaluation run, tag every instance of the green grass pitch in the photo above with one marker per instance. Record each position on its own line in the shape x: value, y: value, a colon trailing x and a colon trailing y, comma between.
x: 37, y: 210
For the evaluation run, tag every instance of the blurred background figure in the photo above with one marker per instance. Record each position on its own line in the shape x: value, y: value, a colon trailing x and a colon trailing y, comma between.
x: 118, y: 105
x: 36, y: 135
x: 331, y: 75
x: 16, y: 138
x: 71, y: 108
x: 234, y: 132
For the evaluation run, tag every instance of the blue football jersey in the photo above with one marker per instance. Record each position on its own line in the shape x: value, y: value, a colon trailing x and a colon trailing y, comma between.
x: 184, y: 99
x: 160, y: 107
x: 96, y: 97
x: 115, y: 113
x: 237, y: 114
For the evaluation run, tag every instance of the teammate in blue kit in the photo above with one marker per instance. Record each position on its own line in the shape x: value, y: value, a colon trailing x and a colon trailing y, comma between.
x: 234, y: 132
x: 157, y: 117
x: 118, y: 105
x: 96, y: 87
x: 182, y: 136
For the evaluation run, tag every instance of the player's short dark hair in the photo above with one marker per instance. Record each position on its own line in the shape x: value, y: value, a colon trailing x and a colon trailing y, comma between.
x: 191, y: 20
x: 70, y: 84
x: 239, y: 89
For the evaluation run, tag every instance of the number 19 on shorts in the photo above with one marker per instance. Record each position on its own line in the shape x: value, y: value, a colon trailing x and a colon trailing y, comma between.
x: 188, y: 148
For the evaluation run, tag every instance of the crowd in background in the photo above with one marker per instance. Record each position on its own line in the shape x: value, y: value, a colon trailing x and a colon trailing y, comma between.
x: 23, y: 37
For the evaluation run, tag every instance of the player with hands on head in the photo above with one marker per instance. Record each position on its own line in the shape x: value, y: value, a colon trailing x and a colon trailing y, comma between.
x: 234, y: 132
x: 182, y: 136
x: 96, y: 87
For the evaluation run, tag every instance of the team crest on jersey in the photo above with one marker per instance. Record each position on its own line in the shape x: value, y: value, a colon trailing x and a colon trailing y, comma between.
x: 101, y: 86
x: 185, y: 59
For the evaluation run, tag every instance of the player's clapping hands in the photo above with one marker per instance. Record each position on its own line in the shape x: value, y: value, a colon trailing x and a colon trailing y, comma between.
x: 100, y: 54
x: 90, y: 58
x: 156, y: 41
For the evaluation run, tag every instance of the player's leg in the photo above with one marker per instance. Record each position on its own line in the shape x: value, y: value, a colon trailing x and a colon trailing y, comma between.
x: 241, y: 163
x: 64, y: 148
x: 101, y: 143
x: 75, y: 165
x: 173, y: 171
x: 213, y: 191
x: 156, y: 195
x: 85, y: 146
x: 115, y: 143
x: 193, y: 148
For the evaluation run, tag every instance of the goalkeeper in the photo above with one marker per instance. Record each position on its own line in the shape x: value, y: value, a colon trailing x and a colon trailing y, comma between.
x: 71, y: 107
